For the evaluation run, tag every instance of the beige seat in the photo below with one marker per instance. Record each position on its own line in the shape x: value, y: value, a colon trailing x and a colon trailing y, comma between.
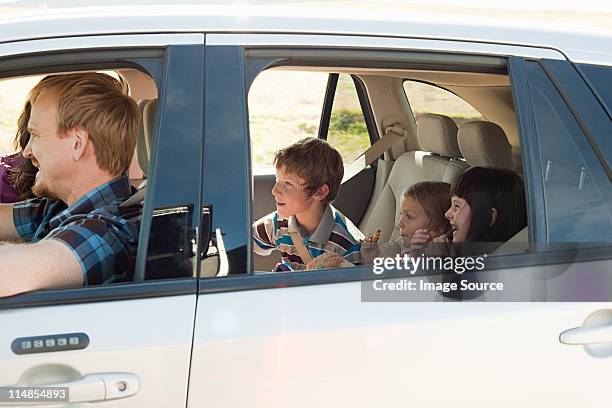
x: 485, y: 144
x: 148, y: 109
x: 144, y: 145
x: 440, y: 161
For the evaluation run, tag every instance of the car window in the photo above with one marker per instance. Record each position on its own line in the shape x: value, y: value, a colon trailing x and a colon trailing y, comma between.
x: 347, y: 131
x: 600, y: 78
x: 169, y: 243
x: 427, y: 98
x: 578, y: 197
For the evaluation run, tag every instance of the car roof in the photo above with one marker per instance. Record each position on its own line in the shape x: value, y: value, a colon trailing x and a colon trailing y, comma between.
x: 581, y: 45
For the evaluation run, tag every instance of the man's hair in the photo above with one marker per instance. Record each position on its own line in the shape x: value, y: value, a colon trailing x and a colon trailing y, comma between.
x: 315, y: 161
x: 485, y: 188
x: 95, y: 102
x: 434, y: 198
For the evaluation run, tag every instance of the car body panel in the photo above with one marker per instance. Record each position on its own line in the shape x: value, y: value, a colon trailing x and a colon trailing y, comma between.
x: 122, y: 339
x: 579, y: 46
x: 320, y: 344
x: 308, y: 339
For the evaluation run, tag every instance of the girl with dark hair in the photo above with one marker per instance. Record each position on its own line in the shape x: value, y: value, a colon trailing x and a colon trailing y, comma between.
x: 487, y: 205
x: 487, y: 209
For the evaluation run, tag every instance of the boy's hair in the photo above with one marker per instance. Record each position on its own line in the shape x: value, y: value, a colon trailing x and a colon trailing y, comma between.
x: 315, y: 161
x: 96, y: 103
x: 434, y: 198
x: 485, y: 188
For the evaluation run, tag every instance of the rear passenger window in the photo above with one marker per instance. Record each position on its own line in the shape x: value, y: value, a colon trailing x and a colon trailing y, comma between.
x: 426, y: 98
x: 600, y: 78
x: 347, y: 132
x: 578, y: 197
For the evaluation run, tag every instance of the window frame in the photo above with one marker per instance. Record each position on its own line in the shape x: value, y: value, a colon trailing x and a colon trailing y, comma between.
x: 268, y: 50
x: 60, y: 55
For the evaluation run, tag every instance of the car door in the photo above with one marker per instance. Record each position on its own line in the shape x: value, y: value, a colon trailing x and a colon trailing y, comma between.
x: 126, y: 344
x: 329, y: 337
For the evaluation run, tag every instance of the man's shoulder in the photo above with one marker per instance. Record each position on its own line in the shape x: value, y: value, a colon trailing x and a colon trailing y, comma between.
x: 115, y: 210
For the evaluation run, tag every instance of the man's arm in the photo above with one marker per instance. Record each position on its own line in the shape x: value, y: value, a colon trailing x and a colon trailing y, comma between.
x: 46, y: 264
x: 7, y: 225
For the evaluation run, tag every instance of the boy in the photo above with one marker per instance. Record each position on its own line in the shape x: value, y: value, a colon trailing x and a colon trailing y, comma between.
x: 305, y: 225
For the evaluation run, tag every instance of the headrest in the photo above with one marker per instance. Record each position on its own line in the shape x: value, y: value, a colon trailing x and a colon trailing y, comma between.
x: 485, y: 144
x: 438, y: 134
x: 148, y: 109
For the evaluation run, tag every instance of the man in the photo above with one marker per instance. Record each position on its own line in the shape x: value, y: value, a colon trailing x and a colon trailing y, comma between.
x: 83, y: 132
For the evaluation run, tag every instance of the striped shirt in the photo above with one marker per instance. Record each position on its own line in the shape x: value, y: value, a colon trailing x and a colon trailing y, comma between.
x: 335, y: 233
x: 102, y: 235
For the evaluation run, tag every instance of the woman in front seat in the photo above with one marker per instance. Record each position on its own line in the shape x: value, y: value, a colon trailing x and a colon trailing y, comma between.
x: 17, y: 174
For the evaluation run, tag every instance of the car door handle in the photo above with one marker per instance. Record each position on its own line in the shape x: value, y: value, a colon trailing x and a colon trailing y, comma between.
x: 98, y: 387
x: 587, y: 335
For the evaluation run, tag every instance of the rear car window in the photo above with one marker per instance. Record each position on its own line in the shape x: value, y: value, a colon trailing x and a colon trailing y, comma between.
x: 578, y: 196
x: 427, y: 98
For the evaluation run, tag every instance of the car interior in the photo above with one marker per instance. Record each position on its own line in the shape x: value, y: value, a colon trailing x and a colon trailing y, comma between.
x: 433, y: 146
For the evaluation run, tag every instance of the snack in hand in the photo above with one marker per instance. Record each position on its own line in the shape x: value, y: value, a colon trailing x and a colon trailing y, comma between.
x: 327, y: 260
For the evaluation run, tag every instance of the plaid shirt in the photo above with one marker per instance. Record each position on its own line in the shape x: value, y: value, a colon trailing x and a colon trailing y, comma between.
x: 102, y: 235
x: 335, y: 233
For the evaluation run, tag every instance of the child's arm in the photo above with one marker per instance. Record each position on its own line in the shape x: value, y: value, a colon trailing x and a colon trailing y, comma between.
x: 263, y: 235
x: 369, y: 248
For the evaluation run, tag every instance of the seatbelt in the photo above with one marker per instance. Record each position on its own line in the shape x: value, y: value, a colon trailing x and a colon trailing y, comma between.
x: 298, y: 243
x: 393, y: 134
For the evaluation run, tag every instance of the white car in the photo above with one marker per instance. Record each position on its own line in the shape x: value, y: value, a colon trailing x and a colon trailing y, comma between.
x: 219, y: 330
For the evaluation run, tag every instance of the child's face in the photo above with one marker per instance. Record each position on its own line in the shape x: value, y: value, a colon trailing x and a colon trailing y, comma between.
x: 459, y: 215
x: 412, y: 218
x: 289, y: 194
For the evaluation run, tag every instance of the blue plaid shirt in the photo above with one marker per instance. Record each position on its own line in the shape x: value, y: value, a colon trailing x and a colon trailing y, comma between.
x: 102, y: 235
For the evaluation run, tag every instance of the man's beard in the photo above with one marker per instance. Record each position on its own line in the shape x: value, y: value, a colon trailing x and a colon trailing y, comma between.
x: 40, y: 189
